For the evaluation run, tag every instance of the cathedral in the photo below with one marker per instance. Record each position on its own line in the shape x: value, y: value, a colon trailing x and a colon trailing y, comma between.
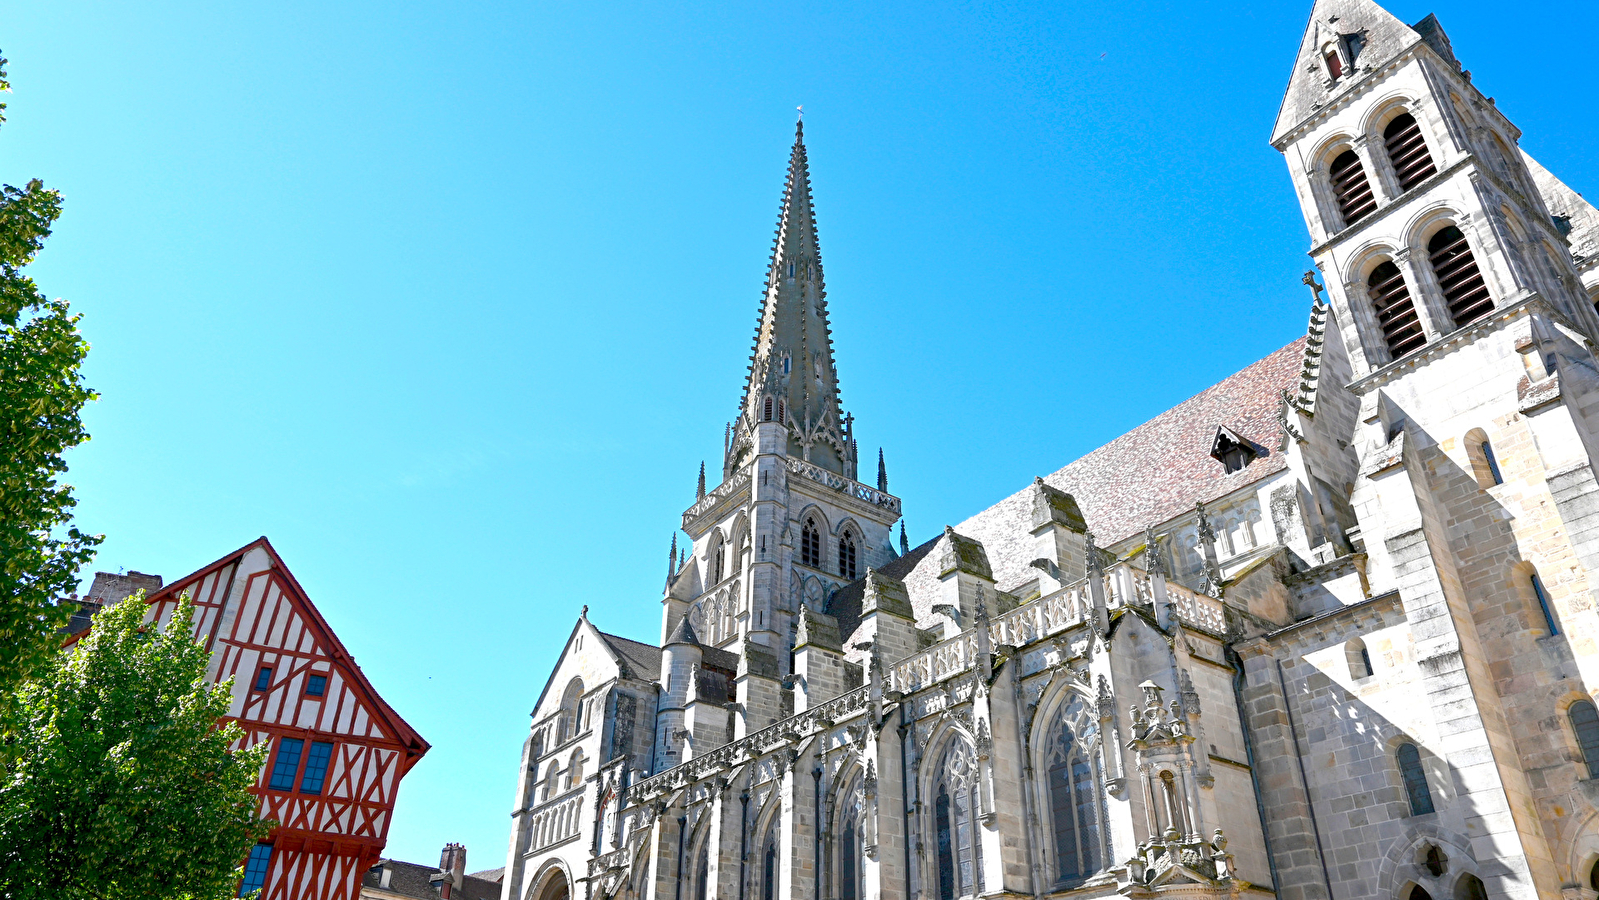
x: 1325, y: 631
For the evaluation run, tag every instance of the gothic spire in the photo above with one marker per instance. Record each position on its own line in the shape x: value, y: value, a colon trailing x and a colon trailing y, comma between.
x: 882, y: 472
x: 792, y: 380
x: 699, y: 492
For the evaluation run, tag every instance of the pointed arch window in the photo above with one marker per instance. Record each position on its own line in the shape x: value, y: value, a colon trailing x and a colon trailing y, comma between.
x: 770, y: 873
x: 1458, y: 276
x: 1074, y: 796
x: 1585, y: 725
x: 1396, y: 311
x: 1407, y: 151
x: 1416, y: 790
x: 718, y: 561
x: 811, y: 544
x: 766, y: 408
x: 782, y: 411
x: 848, y: 849
x: 702, y: 871
x: 846, y: 555
x: 1350, y: 187
x: 954, y: 823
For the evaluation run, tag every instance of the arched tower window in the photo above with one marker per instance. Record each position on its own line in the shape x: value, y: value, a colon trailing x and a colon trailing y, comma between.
x: 1491, y: 461
x: 1396, y: 311
x: 782, y: 411
x: 766, y: 410
x: 954, y: 815
x: 1407, y: 151
x: 1073, y: 798
x: 1585, y: 725
x: 1458, y: 276
x: 1416, y: 790
x: 846, y: 555
x: 570, y: 703
x: 1350, y: 188
x: 574, y: 772
x: 1541, y: 595
x: 1359, y: 659
x: 811, y: 544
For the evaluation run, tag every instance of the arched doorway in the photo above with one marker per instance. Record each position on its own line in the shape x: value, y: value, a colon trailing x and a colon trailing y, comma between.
x: 552, y: 886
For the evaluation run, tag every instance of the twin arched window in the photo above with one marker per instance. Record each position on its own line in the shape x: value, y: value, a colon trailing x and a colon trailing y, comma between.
x: 767, y: 407
x: 954, y: 823
x: 1415, y: 779
x: 846, y: 555
x: 810, y: 544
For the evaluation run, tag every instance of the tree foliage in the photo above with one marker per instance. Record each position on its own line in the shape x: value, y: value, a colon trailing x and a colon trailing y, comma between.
x: 118, y: 782
x: 41, y: 396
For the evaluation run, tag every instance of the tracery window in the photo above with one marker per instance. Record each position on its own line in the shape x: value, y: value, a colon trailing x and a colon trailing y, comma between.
x: 1074, y: 795
x: 954, y: 822
x: 1396, y: 311
x: 1407, y: 151
x: 1585, y: 725
x: 848, y: 826
x: 1458, y: 276
x: 811, y: 544
x: 1416, y: 790
x: 846, y: 555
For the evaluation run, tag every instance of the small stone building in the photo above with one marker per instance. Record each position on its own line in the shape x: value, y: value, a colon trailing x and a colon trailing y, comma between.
x: 1325, y: 630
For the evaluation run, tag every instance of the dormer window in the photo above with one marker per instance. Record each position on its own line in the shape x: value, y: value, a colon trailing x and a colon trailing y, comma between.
x: 1335, y: 64
x: 1233, y: 450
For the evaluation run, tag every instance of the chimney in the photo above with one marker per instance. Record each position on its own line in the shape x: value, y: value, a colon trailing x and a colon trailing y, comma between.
x: 452, y: 869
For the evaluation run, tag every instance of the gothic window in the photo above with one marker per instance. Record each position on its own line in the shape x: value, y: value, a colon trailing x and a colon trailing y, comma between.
x: 1407, y: 151
x: 766, y: 410
x: 1470, y: 887
x: 846, y: 556
x: 1435, y: 862
x: 570, y: 701
x: 1396, y: 312
x: 1416, y: 790
x: 1585, y: 725
x: 811, y: 544
x: 718, y: 561
x: 1073, y: 797
x: 1350, y: 188
x: 1417, y: 893
x: 702, y: 871
x: 954, y: 823
x: 769, y: 860
x: 782, y: 411
x: 849, y: 828
x: 1541, y: 595
x: 1458, y: 276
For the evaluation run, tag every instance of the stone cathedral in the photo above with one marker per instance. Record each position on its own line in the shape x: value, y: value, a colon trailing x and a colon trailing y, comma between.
x: 1325, y: 631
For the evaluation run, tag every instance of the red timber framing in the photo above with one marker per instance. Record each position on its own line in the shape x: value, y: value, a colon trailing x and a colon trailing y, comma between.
x: 253, y: 615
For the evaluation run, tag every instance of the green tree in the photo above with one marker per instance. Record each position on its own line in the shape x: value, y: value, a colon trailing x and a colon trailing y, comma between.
x: 41, y: 395
x: 118, y: 783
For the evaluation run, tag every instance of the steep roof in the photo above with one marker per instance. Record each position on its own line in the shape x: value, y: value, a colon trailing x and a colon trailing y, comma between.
x: 1385, y: 37
x: 645, y: 659
x: 1160, y: 469
x: 411, y: 880
x: 845, y: 604
x: 1562, y: 201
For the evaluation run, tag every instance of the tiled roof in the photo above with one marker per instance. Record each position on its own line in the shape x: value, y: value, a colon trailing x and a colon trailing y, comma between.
x: 1157, y: 471
x: 411, y: 880
x: 495, y: 875
x: 845, y: 604
x: 645, y: 659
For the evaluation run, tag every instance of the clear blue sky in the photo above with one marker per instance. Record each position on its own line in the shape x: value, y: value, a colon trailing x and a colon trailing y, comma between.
x: 449, y: 300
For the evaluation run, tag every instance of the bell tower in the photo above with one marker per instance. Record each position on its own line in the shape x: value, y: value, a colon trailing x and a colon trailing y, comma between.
x: 789, y: 524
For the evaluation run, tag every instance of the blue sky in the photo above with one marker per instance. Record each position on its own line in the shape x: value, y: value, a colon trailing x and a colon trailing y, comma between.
x: 450, y: 300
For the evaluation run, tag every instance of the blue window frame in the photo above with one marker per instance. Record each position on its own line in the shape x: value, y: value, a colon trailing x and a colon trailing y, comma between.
x: 263, y: 678
x: 1543, y: 604
x: 255, y: 869
x: 316, y: 767
x: 286, y: 764
x: 316, y: 685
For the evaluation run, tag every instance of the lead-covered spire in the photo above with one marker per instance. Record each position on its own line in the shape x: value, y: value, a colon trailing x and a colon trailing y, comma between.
x: 792, y: 381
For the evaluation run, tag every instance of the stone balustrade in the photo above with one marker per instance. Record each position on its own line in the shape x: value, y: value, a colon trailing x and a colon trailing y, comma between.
x: 844, y: 485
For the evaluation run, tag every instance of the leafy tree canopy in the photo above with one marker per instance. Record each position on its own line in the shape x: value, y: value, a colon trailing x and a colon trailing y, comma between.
x: 41, y: 396
x: 118, y: 783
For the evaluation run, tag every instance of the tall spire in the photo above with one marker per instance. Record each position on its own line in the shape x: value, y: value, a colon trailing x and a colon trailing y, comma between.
x: 792, y: 380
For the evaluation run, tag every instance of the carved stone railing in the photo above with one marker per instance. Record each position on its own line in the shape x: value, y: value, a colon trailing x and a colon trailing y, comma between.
x: 1048, y: 615
x: 788, y: 731
x: 844, y: 485
x: 722, y: 492
x: 937, y: 663
x: 1197, y: 609
x: 555, y: 821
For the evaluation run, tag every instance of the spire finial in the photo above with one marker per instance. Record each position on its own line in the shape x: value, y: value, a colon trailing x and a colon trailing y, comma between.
x: 1315, y: 289
x: 671, y: 561
x: 699, y: 491
x: 882, y: 472
x: 904, y: 544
